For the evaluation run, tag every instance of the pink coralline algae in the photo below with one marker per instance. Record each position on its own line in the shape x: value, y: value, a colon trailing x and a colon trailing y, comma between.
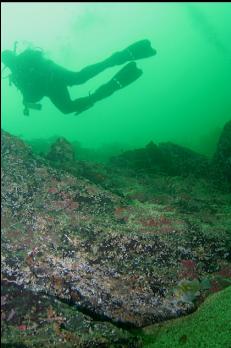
x: 188, y: 269
x: 162, y: 220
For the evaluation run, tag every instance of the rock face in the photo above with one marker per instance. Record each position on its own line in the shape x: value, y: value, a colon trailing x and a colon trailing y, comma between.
x: 129, y: 262
x: 182, y: 161
x: 61, y: 151
x: 32, y: 319
x: 167, y: 158
x: 222, y: 157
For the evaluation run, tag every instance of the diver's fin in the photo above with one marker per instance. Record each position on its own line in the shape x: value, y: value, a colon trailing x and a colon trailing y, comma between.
x: 128, y: 74
x: 139, y: 50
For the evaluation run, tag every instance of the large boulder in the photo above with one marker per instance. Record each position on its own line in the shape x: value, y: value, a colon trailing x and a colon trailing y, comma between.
x: 167, y: 158
x: 33, y: 319
x: 222, y: 156
x: 61, y: 151
x: 131, y: 264
x: 183, y: 161
x: 147, y: 159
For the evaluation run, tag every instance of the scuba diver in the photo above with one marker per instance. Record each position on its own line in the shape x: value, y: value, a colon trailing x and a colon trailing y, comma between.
x: 37, y: 77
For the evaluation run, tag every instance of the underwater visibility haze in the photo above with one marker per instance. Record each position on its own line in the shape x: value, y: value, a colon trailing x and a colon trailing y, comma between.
x: 116, y: 204
x: 183, y: 95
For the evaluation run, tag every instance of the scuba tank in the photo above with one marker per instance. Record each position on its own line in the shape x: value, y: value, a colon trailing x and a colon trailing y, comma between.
x: 11, y: 77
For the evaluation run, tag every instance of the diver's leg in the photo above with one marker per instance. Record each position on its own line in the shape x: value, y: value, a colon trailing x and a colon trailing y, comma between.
x: 71, y: 78
x: 127, y: 75
x: 60, y: 97
x: 139, y: 50
x: 87, y: 73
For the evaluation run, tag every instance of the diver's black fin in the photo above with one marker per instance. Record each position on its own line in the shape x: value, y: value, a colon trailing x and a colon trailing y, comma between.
x: 128, y: 74
x: 139, y: 50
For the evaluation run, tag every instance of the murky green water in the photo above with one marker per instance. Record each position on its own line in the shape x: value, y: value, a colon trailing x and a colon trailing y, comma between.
x: 183, y: 95
x: 145, y: 237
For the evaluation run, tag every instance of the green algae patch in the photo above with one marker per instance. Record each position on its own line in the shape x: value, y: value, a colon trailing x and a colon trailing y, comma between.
x: 209, y: 326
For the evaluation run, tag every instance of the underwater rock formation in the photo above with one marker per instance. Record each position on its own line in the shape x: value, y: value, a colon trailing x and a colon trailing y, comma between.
x: 61, y: 151
x: 129, y: 262
x: 167, y: 158
x: 222, y: 156
x: 62, y: 155
x: 149, y: 159
x: 182, y: 161
x: 34, y: 319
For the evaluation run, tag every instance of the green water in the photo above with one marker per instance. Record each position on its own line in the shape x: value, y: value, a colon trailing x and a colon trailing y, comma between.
x: 183, y: 95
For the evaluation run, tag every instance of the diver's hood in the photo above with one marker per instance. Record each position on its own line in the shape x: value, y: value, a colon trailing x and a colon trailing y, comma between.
x: 8, y: 58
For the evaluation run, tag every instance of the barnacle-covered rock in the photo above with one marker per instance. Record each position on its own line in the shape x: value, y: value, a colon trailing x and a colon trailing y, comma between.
x: 33, y: 319
x: 116, y: 259
x: 222, y: 156
x: 61, y: 151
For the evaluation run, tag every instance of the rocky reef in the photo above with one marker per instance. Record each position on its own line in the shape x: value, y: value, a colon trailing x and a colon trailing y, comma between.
x: 95, y: 250
x: 222, y: 156
x: 166, y: 158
